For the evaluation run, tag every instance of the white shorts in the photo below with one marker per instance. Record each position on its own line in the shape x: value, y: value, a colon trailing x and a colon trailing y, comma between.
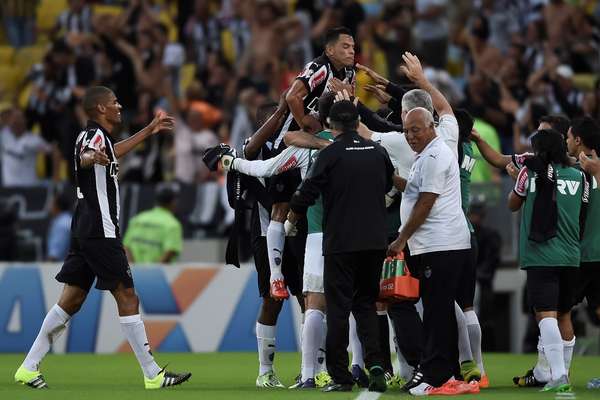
x: 313, y: 264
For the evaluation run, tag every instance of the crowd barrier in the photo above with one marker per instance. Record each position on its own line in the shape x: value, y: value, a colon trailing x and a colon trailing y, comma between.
x: 185, y: 307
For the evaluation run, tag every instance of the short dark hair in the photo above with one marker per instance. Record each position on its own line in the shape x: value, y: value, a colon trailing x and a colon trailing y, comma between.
x: 94, y: 96
x: 325, y: 103
x: 549, y: 146
x: 333, y: 34
x: 558, y: 123
x: 344, y: 116
x: 166, y: 193
x: 588, y: 131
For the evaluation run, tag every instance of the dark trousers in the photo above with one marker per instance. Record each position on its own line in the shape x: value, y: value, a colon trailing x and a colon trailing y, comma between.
x: 440, y: 273
x: 351, y: 283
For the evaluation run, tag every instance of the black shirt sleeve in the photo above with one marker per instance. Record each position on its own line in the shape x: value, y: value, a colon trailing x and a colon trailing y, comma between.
x: 374, y: 122
x: 312, y: 186
x: 389, y: 168
x: 395, y: 90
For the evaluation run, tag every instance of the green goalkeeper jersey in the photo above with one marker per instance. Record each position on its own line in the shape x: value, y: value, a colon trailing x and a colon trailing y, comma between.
x: 562, y: 250
x: 314, y: 214
x: 466, y: 167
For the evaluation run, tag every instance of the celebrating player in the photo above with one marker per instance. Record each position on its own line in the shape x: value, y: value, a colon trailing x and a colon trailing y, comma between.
x: 96, y: 251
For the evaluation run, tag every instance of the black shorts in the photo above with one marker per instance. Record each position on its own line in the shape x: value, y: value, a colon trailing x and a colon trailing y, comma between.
x: 466, y: 284
x: 292, y: 273
x: 100, y: 258
x: 551, y: 288
x: 588, y: 284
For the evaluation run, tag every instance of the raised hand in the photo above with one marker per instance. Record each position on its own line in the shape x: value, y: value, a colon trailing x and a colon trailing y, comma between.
x: 379, y: 92
x: 590, y: 164
x: 100, y: 157
x: 336, y: 85
x: 412, y: 68
x: 379, y: 80
x: 161, y: 122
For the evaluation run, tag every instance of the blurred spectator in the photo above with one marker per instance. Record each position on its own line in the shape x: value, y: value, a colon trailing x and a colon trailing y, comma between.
x: 155, y: 236
x: 173, y: 54
x: 19, y: 149
x: 8, y: 230
x: 591, y: 105
x: 18, y: 18
x: 202, y: 34
x: 192, y: 139
x: 59, y: 233
x: 431, y: 31
x: 77, y: 19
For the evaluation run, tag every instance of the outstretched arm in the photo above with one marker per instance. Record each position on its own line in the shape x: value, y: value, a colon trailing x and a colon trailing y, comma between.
x: 290, y: 158
x: 305, y: 140
x: 493, y: 157
x: 161, y: 122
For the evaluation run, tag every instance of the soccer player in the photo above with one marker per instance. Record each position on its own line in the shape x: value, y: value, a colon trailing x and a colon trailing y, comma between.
x: 584, y: 138
x: 258, y: 149
x: 549, y: 241
x: 302, y: 98
x: 96, y: 251
x: 314, y: 371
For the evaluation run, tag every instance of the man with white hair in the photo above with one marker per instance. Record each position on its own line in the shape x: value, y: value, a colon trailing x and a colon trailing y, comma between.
x: 436, y: 231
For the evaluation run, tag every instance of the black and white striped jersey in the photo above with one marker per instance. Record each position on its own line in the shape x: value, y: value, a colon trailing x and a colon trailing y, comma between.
x: 97, y: 211
x: 315, y: 76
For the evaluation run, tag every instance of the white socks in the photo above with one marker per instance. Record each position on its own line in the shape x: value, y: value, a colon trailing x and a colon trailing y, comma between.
x: 135, y: 333
x: 321, y: 355
x: 568, y: 346
x: 312, y: 338
x: 265, y: 336
x: 275, y: 244
x: 552, y: 344
x: 474, y: 330
x: 355, y: 345
x: 464, y: 345
x: 53, y: 325
x: 541, y: 371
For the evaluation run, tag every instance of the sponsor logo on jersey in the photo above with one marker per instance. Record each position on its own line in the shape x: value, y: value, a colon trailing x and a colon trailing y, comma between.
x: 289, y: 164
x: 468, y: 163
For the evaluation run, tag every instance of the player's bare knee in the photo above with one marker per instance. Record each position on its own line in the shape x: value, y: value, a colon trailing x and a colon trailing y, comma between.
x: 315, y: 301
x: 127, y: 300
x: 271, y: 307
x: 72, y: 299
x: 279, y: 211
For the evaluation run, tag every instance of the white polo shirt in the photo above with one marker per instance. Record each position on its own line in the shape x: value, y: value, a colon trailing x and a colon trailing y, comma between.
x: 403, y: 157
x: 435, y: 170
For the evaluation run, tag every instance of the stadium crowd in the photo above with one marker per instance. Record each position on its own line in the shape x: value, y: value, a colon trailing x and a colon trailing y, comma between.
x: 492, y: 71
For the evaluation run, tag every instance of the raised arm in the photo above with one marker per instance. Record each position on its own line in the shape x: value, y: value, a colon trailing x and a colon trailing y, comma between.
x: 260, y: 137
x: 161, y: 122
x: 295, y: 101
x: 414, y: 72
x: 493, y: 157
x: 290, y: 158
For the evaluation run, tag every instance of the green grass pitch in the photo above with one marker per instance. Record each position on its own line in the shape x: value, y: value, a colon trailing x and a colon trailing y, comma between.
x: 232, y: 376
